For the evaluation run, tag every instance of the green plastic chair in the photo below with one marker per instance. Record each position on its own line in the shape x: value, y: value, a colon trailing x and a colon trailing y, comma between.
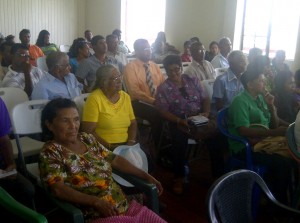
x: 17, y: 209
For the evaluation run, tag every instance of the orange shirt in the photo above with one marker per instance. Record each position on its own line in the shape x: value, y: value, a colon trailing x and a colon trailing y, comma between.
x: 135, y: 80
x: 34, y: 52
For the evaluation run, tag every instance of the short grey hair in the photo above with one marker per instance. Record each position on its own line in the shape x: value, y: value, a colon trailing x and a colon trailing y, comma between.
x: 54, y: 58
x: 235, y: 54
x: 102, y: 75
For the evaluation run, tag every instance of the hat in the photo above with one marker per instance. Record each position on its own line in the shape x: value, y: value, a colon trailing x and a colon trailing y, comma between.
x: 135, y: 156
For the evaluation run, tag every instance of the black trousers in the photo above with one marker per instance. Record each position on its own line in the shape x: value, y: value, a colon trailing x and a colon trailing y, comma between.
x: 151, y: 114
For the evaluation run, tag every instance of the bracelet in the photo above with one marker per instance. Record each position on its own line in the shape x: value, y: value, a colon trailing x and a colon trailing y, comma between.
x: 131, y: 140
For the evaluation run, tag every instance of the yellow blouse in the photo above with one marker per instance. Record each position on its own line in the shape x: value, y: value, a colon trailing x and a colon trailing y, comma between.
x: 113, y: 119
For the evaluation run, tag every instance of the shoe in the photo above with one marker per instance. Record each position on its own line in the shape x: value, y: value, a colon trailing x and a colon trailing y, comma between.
x: 178, y: 186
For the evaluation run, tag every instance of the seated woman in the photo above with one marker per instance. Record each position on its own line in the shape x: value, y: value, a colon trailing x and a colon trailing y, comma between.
x: 107, y: 113
x: 79, y: 51
x: 213, y: 51
x: 43, y: 43
x: 78, y: 169
x: 285, y: 97
x: 255, y: 106
x: 178, y: 98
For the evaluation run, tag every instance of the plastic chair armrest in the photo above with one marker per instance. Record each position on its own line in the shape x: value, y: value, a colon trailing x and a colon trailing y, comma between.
x: 149, y: 189
x: 18, y: 209
x: 73, y: 212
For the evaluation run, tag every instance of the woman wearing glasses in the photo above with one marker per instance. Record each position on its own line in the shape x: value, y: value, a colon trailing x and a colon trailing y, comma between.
x: 108, y: 113
x: 179, y: 97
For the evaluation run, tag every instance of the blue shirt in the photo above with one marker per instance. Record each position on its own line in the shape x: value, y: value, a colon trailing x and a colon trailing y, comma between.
x: 49, y: 87
x: 219, y: 62
x: 226, y: 87
x: 74, y: 64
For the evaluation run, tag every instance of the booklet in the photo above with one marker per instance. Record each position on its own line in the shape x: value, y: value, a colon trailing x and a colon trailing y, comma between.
x: 7, y: 173
x: 198, y: 120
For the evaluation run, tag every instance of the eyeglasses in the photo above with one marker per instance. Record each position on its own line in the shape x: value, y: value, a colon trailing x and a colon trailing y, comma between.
x: 175, y: 70
x: 23, y: 55
x: 148, y: 49
x: 114, y: 79
x: 64, y: 66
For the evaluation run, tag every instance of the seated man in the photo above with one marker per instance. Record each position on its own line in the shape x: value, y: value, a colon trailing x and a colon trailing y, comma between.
x: 200, y: 68
x: 16, y: 185
x: 220, y: 61
x: 228, y: 85
x: 59, y: 82
x: 21, y: 74
x: 252, y: 107
x: 142, y: 77
x: 86, y: 71
x: 112, y: 46
x: 34, y: 51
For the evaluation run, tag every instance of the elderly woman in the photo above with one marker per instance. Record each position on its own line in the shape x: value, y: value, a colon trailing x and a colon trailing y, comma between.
x: 107, y: 113
x: 178, y: 98
x: 78, y: 169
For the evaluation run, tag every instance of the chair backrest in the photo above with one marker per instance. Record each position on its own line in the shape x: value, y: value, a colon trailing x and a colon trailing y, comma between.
x: 185, y: 65
x: 64, y: 48
x: 290, y: 135
x: 209, y: 86
x: 220, y: 71
x: 229, y: 199
x: 17, y: 209
x: 12, y: 96
x: 41, y: 63
x: 79, y: 101
x: 26, y: 117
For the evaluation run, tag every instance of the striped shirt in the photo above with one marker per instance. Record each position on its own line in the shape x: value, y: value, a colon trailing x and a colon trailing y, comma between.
x: 17, y: 79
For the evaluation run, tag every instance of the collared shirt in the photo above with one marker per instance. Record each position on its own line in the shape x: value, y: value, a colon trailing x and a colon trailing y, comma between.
x: 135, y: 79
x: 88, y: 67
x: 50, y: 87
x: 220, y: 62
x: 15, y: 79
x: 202, y: 72
x: 246, y: 110
x: 226, y: 87
x: 119, y: 56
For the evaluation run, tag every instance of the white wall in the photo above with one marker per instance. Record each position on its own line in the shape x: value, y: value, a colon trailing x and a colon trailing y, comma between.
x: 64, y: 19
x: 67, y: 19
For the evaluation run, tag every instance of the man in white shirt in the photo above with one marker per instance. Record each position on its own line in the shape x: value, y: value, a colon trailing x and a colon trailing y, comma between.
x: 21, y: 73
x: 220, y: 61
x: 112, y: 49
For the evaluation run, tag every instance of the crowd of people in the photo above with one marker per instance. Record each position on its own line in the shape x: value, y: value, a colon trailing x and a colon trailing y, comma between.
x: 255, y: 89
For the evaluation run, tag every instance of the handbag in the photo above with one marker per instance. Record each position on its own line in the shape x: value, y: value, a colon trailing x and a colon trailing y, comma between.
x: 273, y: 145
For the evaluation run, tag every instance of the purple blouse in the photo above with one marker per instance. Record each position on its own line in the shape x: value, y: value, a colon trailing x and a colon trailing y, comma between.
x: 185, y: 101
x: 4, y: 120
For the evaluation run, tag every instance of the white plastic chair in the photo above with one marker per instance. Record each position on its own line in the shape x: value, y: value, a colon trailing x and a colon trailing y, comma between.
x: 79, y: 101
x: 41, y: 63
x: 220, y: 71
x: 64, y: 48
x: 185, y: 65
x: 12, y: 96
x: 26, y: 120
x: 208, y: 85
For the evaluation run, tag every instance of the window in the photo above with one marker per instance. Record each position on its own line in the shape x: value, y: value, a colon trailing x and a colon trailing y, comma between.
x: 142, y: 19
x: 270, y: 25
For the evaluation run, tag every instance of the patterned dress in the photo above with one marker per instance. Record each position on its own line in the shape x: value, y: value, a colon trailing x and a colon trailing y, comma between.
x: 89, y: 173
